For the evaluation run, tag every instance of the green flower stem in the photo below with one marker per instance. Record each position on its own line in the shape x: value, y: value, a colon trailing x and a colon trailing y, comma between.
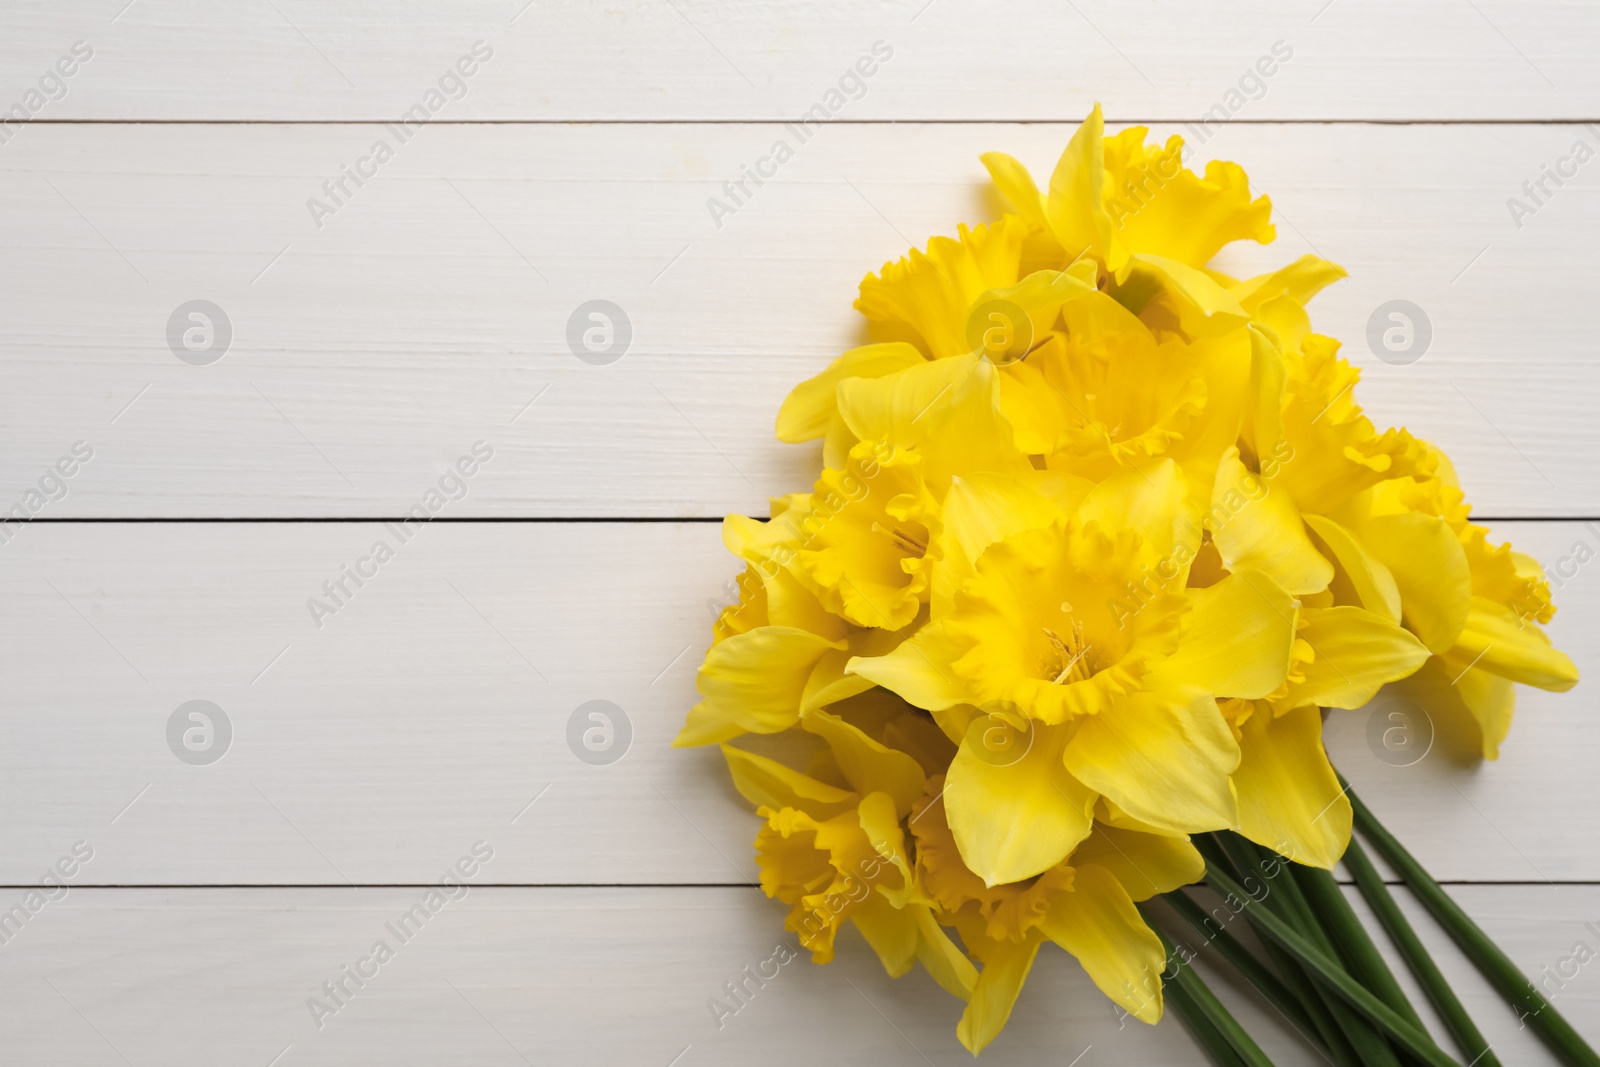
x: 1182, y: 977
x: 1465, y: 1032
x: 1217, y: 1050
x: 1210, y: 848
x: 1333, y: 977
x: 1530, y: 1005
x: 1245, y: 962
x: 1367, y: 1040
x: 1371, y: 1049
x: 1360, y: 954
x: 1315, y: 1000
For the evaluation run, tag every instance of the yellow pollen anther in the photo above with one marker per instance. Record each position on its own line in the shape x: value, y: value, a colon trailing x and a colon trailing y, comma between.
x: 1071, y: 654
x: 904, y: 541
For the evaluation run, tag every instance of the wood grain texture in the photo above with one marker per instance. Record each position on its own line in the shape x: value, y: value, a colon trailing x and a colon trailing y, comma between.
x: 606, y: 976
x: 430, y: 312
x: 434, y: 707
x: 699, y: 59
x: 432, y: 309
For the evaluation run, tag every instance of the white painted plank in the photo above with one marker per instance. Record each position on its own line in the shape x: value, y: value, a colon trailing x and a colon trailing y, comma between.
x: 695, y: 59
x: 603, y: 976
x: 432, y: 309
x: 434, y: 707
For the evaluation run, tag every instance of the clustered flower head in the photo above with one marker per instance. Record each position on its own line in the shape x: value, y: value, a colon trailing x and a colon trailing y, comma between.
x: 1100, y: 533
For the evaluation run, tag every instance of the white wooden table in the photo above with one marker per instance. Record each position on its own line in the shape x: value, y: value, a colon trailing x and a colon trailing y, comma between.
x: 373, y: 344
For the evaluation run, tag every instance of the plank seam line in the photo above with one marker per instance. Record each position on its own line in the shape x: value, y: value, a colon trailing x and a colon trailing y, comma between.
x: 1508, y: 883
x: 93, y: 519
x: 330, y: 519
x: 1580, y: 121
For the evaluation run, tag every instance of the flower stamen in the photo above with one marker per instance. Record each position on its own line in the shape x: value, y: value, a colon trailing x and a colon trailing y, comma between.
x: 1072, y: 654
x: 904, y: 541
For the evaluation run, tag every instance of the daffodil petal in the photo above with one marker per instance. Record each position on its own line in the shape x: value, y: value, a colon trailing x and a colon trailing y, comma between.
x: 869, y: 767
x: 829, y: 684
x: 1356, y: 653
x: 1300, y: 281
x: 888, y: 409
x: 1032, y: 404
x: 837, y: 443
x: 1075, y: 205
x: 1158, y: 205
x: 788, y: 602
x: 1163, y: 759
x: 941, y: 957
x: 1289, y: 797
x: 1012, y: 806
x: 1268, y: 376
x: 810, y: 406
x: 706, y: 726
x: 1337, y: 452
x: 1099, y: 925
x: 1237, y: 637
x: 891, y: 932
x: 928, y: 296
x: 1258, y: 527
x: 981, y: 509
x: 766, y: 783
x: 1454, y: 694
x: 1108, y: 814
x: 1039, y: 296
x: 1491, y: 699
x: 1006, y: 966
x: 1502, y: 643
x: 922, y: 739
x: 1430, y: 568
x: 754, y: 682
x: 1203, y: 308
x: 1370, y: 581
x: 1286, y: 318
x: 1150, y: 501
x: 946, y: 409
x: 917, y: 670
x: 1147, y: 865
x: 1014, y: 182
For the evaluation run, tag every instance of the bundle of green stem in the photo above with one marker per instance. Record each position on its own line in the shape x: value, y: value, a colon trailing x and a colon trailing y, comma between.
x: 1322, y: 971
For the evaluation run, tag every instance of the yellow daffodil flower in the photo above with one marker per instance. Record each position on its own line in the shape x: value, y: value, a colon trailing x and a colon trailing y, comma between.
x: 1100, y: 535
x: 1080, y: 637
x: 1086, y: 907
x: 1479, y: 608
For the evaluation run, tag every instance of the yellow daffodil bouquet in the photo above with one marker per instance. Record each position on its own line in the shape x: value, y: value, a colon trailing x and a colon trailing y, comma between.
x: 1100, y: 534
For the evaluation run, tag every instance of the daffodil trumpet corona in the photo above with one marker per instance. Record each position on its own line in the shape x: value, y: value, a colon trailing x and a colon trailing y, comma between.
x: 1099, y: 537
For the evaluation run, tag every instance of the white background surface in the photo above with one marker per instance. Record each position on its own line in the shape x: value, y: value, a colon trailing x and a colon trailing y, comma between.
x: 430, y: 310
